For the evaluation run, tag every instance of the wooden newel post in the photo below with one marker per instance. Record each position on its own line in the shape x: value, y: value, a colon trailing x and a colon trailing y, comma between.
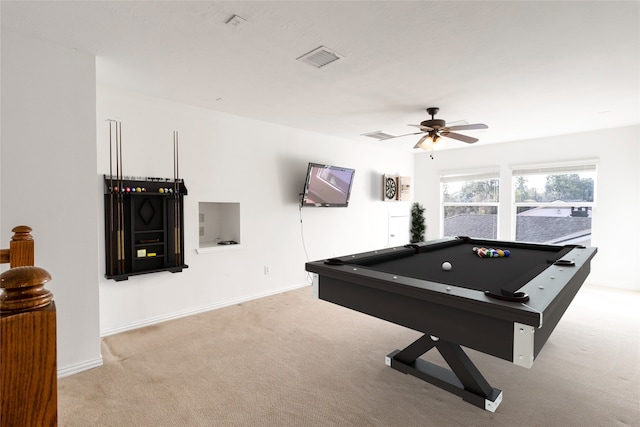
x: 28, y: 368
x: 20, y: 250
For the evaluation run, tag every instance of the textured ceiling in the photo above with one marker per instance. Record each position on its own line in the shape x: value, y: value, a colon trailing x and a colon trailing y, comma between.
x: 526, y: 69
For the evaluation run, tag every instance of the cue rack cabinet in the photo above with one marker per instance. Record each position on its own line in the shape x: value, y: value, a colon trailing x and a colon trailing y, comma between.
x: 144, y: 227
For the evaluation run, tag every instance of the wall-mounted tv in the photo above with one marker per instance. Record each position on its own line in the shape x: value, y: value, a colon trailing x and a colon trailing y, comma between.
x: 327, y: 186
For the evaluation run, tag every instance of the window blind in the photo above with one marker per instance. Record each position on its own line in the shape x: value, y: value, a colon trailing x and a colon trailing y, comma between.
x: 478, y: 176
x: 557, y: 169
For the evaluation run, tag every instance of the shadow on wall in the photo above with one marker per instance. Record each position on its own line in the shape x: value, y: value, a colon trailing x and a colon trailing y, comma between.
x: 375, y: 178
x: 291, y: 175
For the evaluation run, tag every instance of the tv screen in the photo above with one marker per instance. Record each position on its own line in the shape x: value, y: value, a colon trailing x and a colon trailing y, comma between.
x: 327, y: 186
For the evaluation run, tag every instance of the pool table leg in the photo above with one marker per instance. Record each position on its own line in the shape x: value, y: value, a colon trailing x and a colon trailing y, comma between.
x: 464, y: 379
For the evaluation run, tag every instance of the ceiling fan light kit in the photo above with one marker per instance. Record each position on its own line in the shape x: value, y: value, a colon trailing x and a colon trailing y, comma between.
x: 428, y: 142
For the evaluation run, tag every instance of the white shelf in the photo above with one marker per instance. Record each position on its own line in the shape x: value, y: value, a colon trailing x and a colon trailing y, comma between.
x: 216, y: 248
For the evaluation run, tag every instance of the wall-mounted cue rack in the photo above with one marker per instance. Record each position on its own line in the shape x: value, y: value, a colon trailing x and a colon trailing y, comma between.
x: 143, y: 220
x: 144, y: 227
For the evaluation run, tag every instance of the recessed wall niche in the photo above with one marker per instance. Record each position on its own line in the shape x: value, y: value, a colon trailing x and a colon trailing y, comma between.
x: 218, y: 225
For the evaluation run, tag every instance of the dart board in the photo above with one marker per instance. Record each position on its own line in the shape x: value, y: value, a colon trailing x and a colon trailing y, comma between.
x: 390, y: 188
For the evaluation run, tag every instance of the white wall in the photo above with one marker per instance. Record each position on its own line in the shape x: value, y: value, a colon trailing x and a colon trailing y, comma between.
x: 48, y: 164
x: 225, y: 158
x: 615, y: 224
x: 51, y: 167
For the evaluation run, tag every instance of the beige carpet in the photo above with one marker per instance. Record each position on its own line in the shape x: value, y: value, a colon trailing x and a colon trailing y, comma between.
x: 293, y: 360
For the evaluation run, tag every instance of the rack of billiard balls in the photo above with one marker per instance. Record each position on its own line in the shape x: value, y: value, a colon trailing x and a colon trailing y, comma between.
x: 491, y: 253
x: 141, y: 190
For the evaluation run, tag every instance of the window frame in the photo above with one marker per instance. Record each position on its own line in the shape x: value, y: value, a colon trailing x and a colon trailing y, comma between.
x: 469, y: 176
x: 547, y: 169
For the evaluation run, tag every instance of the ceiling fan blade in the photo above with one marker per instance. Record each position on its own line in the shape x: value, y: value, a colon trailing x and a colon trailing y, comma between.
x: 406, y: 134
x: 424, y: 128
x: 468, y: 127
x: 459, y: 137
x: 421, y: 141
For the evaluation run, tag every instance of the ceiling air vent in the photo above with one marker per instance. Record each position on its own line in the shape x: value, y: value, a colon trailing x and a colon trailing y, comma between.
x: 320, y: 57
x: 379, y: 135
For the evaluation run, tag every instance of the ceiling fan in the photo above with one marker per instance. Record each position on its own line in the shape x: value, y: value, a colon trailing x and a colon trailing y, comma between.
x: 436, y: 128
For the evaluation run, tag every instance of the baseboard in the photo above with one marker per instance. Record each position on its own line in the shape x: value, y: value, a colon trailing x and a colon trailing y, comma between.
x: 80, y: 367
x: 191, y: 312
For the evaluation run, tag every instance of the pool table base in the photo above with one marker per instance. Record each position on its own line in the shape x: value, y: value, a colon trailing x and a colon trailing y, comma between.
x: 463, y: 380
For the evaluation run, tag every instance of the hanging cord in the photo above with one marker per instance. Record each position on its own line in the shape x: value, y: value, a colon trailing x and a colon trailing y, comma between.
x: 304, y: 246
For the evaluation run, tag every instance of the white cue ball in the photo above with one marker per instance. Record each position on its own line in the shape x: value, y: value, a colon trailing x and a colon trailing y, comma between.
x: 446, y: 266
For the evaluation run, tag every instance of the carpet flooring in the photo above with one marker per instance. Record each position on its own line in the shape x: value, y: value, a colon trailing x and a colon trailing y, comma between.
x: 293, y: 360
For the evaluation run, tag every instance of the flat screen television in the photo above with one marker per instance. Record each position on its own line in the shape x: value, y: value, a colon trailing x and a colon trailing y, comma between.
x: 327, y: 186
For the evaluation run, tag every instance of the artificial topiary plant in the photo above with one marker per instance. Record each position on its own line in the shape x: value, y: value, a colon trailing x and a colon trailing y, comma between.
x: 417, y: 223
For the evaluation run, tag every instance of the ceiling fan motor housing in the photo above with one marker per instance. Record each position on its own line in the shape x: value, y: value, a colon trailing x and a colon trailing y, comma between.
x: 433, y: 123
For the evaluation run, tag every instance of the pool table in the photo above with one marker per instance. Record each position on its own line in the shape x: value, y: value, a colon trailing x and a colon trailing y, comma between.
x: 503, y: 306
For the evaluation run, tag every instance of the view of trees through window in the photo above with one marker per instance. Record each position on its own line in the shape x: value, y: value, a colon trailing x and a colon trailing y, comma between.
x: 470, y: 207
x: 565, y: 187
x: 552, y: 205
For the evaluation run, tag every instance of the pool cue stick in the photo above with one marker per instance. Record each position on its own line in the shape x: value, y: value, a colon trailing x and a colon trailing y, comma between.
x: 120, y: 219
x: 176, y: 200
x: 175, y: 195
x: 111, y: 213
x: 122, y: 251
x: 117, y: 239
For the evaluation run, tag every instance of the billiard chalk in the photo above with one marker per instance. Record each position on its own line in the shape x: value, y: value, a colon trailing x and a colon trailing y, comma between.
x: 446, y: 266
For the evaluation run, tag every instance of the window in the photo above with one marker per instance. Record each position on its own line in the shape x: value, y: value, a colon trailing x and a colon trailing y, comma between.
x: 470, y: 205
x: 554, y: 204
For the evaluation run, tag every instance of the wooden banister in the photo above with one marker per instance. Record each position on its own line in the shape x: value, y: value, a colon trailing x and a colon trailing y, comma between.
x: 28, y: 367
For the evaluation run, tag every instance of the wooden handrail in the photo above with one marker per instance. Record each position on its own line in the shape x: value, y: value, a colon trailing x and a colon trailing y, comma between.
x: 28, y: 368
